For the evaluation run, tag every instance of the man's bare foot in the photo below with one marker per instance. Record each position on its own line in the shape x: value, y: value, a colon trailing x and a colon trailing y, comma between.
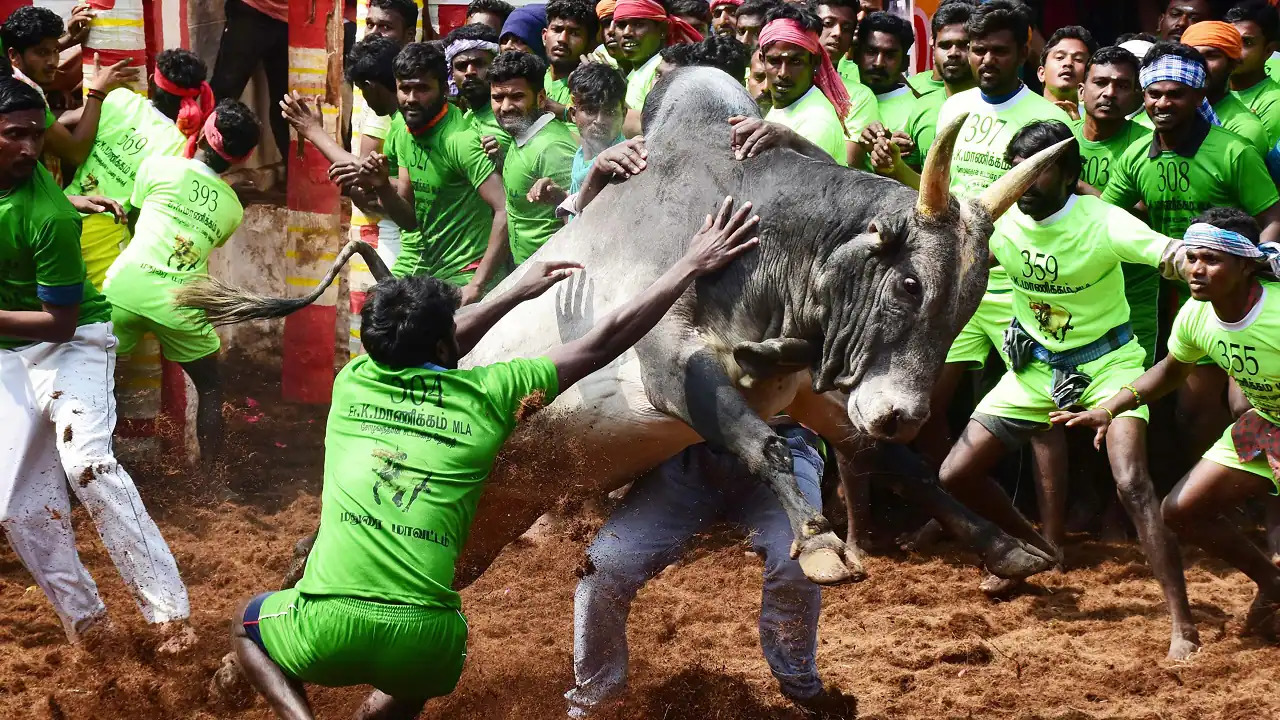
x: 229, y: 688
x: 180, y: 638
x: 997, y: 587
x: 1262, y: 615
x: 1184, y: 644
x: 928, y: 534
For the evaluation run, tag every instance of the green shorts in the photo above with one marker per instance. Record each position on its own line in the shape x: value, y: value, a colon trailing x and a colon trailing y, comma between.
x: 409, y: 652
x: 984, y: 331
x: 1028, y: 395
x: 194, y: 342
x: 1223, y: 453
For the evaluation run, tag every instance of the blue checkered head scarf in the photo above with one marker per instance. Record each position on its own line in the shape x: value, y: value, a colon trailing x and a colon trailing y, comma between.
x: 1204, y: 235
x: 1181, y: 70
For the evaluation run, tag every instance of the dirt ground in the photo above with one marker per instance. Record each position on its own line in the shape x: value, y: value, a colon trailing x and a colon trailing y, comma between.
x: 916, y: 640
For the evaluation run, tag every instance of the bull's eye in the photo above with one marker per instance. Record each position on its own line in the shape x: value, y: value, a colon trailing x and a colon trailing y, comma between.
x: 911, y: 286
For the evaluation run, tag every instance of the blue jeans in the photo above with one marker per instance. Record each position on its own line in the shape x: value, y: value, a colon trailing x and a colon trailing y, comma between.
x: 650, y: 530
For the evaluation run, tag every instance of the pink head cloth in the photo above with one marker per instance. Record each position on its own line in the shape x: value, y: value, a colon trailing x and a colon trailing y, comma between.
x: 196, y: 105
x: 678, y: 31
x: 210, y: 133
x: 826, y: 78
x: 714, y: 3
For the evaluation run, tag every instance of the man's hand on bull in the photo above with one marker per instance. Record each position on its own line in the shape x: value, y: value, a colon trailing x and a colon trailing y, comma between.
x: 541, y: 277
x: 750, y: 136
x: 723, y: 238
x: 625, y: 159
x: 547, y: 192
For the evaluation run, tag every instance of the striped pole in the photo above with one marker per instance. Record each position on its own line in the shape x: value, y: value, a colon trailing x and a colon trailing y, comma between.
x: 315, y: 68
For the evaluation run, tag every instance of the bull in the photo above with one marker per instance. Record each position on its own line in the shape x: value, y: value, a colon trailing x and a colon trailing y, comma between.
x: 842, y: 318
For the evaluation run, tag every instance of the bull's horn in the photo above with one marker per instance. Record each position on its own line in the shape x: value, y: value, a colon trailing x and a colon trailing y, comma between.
x: 1005, y: 192
x: 935, y: 180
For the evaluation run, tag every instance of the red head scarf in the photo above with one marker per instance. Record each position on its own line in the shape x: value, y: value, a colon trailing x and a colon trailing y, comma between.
x: 826, y: 78
x: 714, y: 3
x: 211, y: 135
x: 197, y: 104
x: 678, y: 31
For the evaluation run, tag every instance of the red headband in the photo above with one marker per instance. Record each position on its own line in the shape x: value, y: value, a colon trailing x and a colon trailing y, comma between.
x: 678, y: 31
x: 197, y: 104
x: 714, y: 3
x: 828, y: 81
x: 211, y: 134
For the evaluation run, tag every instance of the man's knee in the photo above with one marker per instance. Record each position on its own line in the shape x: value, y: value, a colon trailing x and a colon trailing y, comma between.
x: 1133, y: 484
x: 1176, y: 514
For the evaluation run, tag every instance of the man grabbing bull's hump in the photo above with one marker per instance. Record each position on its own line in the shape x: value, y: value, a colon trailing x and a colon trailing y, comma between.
x: 410, y: 441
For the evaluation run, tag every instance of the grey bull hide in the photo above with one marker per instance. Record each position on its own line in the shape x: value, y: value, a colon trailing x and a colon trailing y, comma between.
x: 842, y: 318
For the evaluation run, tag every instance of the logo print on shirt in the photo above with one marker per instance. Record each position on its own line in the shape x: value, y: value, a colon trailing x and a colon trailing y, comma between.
x: 389, y: 474
x: 1054, y: 322
x: 184, y: 256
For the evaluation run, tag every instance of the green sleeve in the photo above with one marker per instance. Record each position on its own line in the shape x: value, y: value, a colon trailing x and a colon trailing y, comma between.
x: 509, y: 383
x: 863, y: 110
x: 1132, y: 240
x: 1122, y: 188
x: 1253, y: 184
x: 1182, y: 344
x: 470, y: 158
x: 56, y: 254
x: 391, y: 148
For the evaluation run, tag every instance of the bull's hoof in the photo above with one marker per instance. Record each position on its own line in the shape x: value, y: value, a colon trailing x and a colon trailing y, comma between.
x: 1013, y: 559
x: 823, y: 561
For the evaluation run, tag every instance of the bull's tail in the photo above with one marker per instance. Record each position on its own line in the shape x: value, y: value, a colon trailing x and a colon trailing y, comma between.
x: 224, y: 304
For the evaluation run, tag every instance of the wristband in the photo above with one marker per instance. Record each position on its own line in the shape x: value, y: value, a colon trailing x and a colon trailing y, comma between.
x: 1110, y: 415
x: 96, y: 94
x: 1136, y: 395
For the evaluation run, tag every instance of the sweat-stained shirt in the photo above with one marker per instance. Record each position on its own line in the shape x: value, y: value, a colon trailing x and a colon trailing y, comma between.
x: 407, y: 454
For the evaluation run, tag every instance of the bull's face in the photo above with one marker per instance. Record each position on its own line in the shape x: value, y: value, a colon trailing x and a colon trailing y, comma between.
x: 896, y: 296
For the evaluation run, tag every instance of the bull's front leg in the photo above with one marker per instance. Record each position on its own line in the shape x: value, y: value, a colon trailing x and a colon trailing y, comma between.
x: 701, y: 393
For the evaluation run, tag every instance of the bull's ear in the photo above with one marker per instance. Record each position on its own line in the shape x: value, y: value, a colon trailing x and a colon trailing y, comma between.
x: 881, y: 241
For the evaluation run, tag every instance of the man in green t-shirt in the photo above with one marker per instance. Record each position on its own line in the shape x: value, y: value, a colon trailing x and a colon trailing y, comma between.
x: 571, y: 29
x: 881, y: 50
x: 57, y: 355
x: 1259, y: 27
x: 1220, y: 45
x: 130, y: 130
x: 1062, y: 66
x: 468, y: 52
x: 643, y: 28
x: 1070, y: 345
x: 402, y: 482
x: 1109, y: 94
x: 542, y: 148
x: 185, y: 211
x: 1233, y: 320
x: 1188, y: 167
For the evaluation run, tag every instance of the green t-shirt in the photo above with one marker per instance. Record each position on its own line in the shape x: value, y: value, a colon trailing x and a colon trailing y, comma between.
x: 1263, y: 100
x: 814, y: 118
x: 1223, y: 171
x: 924, y: 83
x: 40, y: 254
x: 863, y: 108
x: 485, y: 123
x: 446, y: 166
x: 407, y: 454
x: 131, y: 130
x: 1237, y: 118
x: 978, y: 158
x: 547, y: 150
x: 895, y: 107
x: 1248, y: 350
x: 640, y: 82
x: 848, y: 70
x: 1096, y: 157
x: 184, y: 211
x: 922, y: 125
x: 557, y: 90
x: 1068, y: 289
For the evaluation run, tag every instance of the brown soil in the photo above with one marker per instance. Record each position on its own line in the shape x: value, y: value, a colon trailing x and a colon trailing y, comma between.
x: 916, y: 640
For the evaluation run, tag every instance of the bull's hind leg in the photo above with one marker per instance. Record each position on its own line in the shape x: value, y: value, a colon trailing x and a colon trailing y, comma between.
x: 703, y: 396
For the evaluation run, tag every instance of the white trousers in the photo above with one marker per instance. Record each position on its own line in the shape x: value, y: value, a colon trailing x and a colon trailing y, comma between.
x: 59, y: 411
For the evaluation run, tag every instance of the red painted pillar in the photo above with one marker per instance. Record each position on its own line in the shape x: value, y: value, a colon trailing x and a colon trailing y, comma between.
x: 314, y: 233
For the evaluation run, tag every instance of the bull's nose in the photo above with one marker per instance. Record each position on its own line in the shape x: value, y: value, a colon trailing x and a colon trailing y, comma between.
x: 901, y: 425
